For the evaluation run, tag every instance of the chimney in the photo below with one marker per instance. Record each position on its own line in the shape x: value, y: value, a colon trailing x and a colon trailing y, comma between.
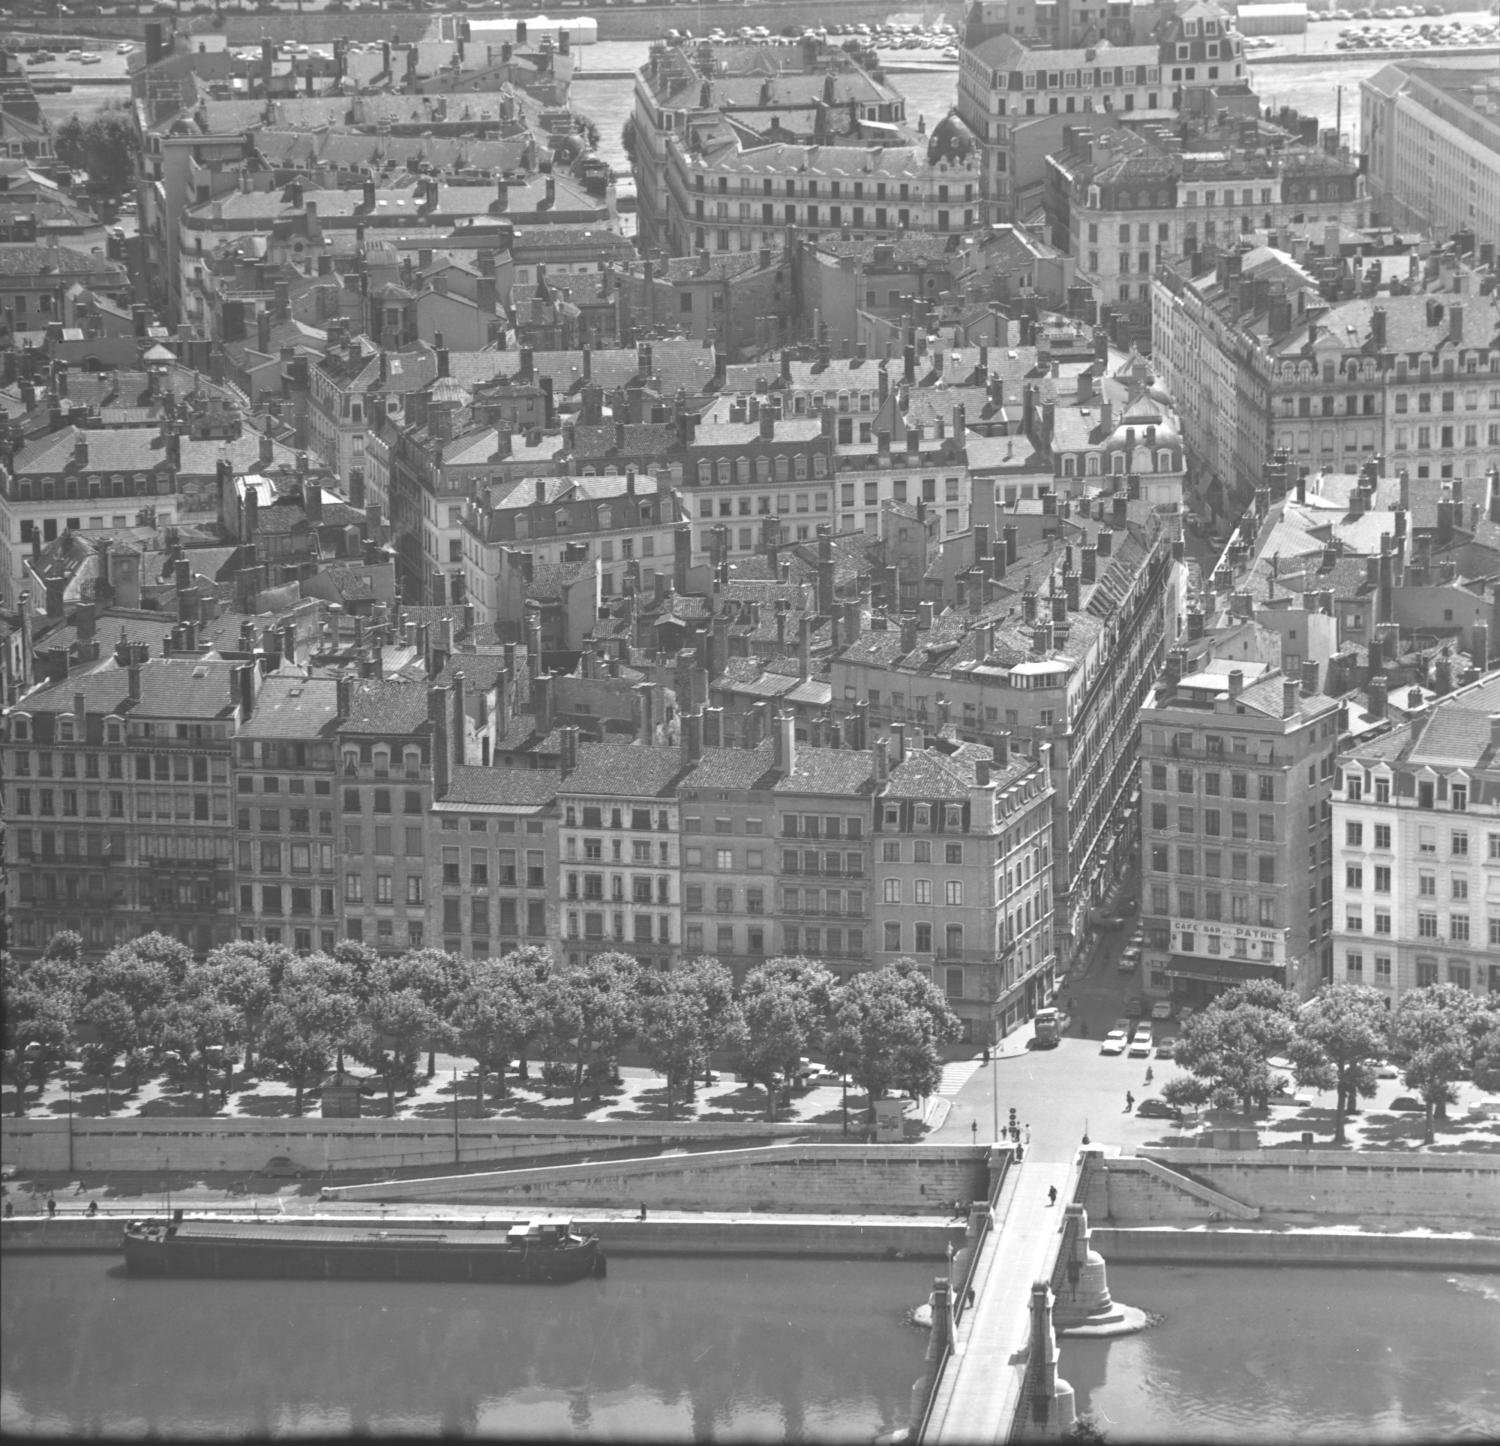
x: 1236, y: 682
x: 568, y: 751
x: 133, y: 681
x: 692, y: 737
x: 1376, y: 695
x: 784, y: 738
x: 982, y: 798
x: 460, y: 720
x: 541, y: 701
x: 1288, y: 697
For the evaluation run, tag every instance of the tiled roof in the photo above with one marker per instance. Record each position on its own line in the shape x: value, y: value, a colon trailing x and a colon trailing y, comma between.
x: 829, y: 771
x: 175, y: 688
x: 1458, y: 733
x: 291, y: 706
x: 384, y: 706
x: 742, y: 768
x: 627, y: 770
x: 926, y: 773
x: 514, y: 787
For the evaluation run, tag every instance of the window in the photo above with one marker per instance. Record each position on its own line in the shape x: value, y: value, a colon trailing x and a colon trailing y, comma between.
x: 955, y: 893
x: 1460, y: 844
x: 1353, y: 876
x: 890, y: 890
x: 923, y: 891
x: 1354, y: 835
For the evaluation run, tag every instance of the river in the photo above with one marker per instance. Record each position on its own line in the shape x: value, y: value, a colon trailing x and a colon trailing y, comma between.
x: 762, y: 1350
x: 1246, y: 1354
x: 661, y: 1350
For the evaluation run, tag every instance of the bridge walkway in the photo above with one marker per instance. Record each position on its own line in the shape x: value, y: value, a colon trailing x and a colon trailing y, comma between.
x: 979, y: 1396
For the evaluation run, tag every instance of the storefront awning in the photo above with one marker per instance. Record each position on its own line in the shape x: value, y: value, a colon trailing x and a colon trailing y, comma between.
x: 1221, y: 971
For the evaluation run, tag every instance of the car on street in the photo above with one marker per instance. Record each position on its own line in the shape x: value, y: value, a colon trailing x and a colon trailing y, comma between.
x: 1130, y: 960
x: 1384, y: 1069
x: 1166, y: 1047
x: 124, y: 48
x: 1113, y: 1042
x: 1162, y: 1009
x: 1140, y: 1041
x: 1155, y: 1109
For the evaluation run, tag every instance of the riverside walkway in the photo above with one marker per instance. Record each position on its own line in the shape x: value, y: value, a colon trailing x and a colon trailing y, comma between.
x: 978, y: 1396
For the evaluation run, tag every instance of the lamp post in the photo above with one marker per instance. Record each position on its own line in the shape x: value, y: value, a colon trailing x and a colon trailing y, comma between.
x: 456, y: 1153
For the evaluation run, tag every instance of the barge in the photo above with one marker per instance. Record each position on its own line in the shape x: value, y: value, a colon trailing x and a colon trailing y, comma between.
x: 535, y: 1252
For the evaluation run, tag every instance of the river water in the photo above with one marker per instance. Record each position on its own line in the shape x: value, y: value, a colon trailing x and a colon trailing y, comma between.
x: 661, y: 1350
x: 1246, y: 1354
x: 732, y: 1349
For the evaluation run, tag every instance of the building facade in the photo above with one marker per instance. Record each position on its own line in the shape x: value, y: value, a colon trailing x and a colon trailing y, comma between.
x: 1416, y: 847
x: 1237, y: 767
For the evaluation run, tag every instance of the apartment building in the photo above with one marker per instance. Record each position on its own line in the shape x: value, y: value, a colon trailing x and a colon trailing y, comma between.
x: 493, y: 862
x: 118, y: 805
x: 615, y: 519
x: 962, y: 875
x: 1431, y: 130
x: 1416, y: 849
x: 395, y: 738
x: 620, y: 864
x: 1059, y: 645
x: 1237, y: 768
x: 91, y: 478
x: 1120, y: 202
x: 736, y: 144
x: 286, y: 759
x: 1263, y: 364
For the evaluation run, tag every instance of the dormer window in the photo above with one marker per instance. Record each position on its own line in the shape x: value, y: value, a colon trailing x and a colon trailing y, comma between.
x: 921, y: 816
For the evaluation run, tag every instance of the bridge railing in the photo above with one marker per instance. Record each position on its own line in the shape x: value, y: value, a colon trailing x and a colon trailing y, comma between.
x: 958, y: 1290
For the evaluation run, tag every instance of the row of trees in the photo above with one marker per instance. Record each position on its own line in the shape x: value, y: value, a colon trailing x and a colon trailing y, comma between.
x: 260, y: 1007
x: 1337, y: 1040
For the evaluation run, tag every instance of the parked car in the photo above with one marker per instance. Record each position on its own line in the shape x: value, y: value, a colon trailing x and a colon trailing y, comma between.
x: 1384, y: 1069
x: 1113, y: 1042
x: 282, y: 1167
x: 1130, y: 960
x: 1140, y: 1041
x: 1134, y: 1008
x: 1155, y: 1109
x: 1166, y: 1048
x: 1162, y: 1009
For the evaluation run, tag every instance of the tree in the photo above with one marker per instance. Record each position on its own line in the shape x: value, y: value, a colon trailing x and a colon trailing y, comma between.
x: 393, y: 1029
x: 687, y: 1014
x: 587, y: 1012
x: 202, y: 1030
x: 1227, y: 1046
x: 784, y: 1005
x: 1430, y: 1039
x: 436, y: 977
x: 630, y: 142
x: 888, y: 1027
x: 312, y: 1013
x: 1484, y: 1032
x: 492, y: 1017
x: 1341, y: 1032
x: 124, y: 997
x: 104, y: 146
x: 247, y: 975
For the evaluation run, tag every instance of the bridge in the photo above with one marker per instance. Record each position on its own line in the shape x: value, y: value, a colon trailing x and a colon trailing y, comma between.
x: 1024, y: 1273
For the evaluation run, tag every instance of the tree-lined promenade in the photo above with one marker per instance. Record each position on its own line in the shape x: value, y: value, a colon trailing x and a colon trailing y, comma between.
x: 260, y: 1010
x: 1337, y: 1040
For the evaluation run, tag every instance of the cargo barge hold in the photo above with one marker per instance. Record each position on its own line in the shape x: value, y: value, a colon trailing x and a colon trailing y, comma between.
x: 538, y: 1252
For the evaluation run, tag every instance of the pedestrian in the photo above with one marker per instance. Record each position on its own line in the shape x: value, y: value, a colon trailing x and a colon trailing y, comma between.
x: 969, y: 1297
x: 642, y: 1215
x: 1052, y: 1194
x: 93, y: 1207
x: 1072, y: 1004
x: 1027, y: 1134
x: 1148, y: 1074
x: 51, y: 1203
x: 10, y: 1209
x: 1129, y: 1102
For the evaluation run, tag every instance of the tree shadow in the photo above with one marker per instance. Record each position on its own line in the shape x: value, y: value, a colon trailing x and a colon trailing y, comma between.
x: 276, y: 1106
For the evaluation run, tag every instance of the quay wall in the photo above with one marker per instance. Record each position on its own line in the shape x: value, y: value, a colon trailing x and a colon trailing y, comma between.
x: 135, y: 1142
x: 798, y: 1177
x: 1367, y: 1183
x: 823, y: 1236
x: 1314, y: 1247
